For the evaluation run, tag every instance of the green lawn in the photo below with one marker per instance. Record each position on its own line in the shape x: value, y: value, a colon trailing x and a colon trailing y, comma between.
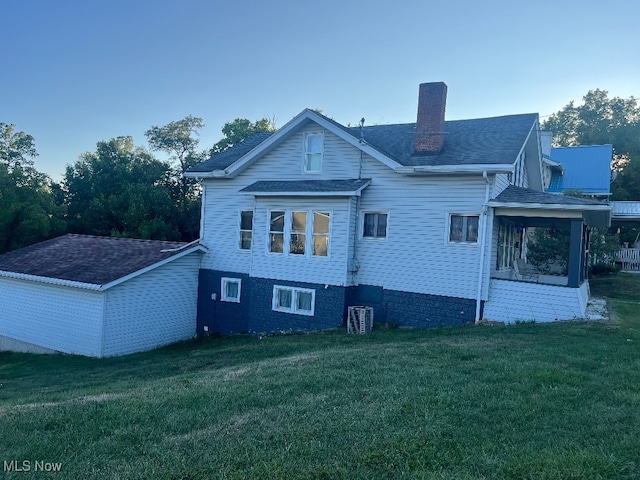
x: 525, y: 401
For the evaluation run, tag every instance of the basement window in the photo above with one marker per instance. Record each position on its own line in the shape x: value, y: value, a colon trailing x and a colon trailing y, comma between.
x: 230, y: 289
x: 301, y: 301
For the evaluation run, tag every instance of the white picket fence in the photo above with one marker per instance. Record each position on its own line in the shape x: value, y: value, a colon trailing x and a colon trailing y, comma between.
x: 629, y: 258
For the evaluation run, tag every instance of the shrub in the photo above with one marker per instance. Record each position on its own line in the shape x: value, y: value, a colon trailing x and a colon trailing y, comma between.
x: 604, y: 269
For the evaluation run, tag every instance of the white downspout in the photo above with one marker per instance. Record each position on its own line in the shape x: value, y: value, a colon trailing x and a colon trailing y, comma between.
x: 483, y: 241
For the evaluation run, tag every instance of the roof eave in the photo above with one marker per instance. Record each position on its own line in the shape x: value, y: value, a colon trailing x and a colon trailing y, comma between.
x: 353, y: 193
x: 49, y: 280
x: 456, y: 169
x: 211, y: 174
x: 550, y: 206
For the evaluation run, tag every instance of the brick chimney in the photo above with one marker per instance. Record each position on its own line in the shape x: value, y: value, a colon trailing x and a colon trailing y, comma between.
x: 432, y: 100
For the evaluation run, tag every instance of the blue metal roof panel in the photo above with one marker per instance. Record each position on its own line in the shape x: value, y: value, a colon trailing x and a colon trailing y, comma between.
x: 586, y: 168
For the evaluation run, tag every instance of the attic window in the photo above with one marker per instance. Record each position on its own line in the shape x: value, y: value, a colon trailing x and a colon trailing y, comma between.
x: 313, y: 150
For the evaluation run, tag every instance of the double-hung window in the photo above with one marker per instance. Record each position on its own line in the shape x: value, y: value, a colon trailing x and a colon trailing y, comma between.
x: 313, y: 152
x: 298, y: 235
x: 301, y: 301
x: 463, y: 228
x: 230, y: 289
x: 276, y: 231
x: 246, y: 229
x: 321, y: 233
x: 375, y: 225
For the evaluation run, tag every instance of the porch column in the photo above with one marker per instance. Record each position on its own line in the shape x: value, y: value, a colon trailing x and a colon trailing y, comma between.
x: 576, y: 249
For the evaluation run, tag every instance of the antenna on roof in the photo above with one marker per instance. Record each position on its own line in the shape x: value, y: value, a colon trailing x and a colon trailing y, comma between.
x: 361, y: 129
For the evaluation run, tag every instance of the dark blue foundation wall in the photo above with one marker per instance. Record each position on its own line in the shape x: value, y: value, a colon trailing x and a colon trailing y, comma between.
x: 329, y: 308
x: 422, y: 310
x: 222, y: 317
x: 412, y: 309
x: 254, y: 313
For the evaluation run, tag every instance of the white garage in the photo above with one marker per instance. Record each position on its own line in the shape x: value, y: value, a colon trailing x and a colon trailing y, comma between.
x: 98, y: 296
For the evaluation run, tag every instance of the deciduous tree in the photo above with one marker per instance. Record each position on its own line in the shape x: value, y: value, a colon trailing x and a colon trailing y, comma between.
x: 120, y: 190
x: 179, y: 140
x: 28, y: 213
x: 239, y: 129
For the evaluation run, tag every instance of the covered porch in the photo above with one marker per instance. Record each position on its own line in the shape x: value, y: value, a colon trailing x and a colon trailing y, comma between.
x: 526, y: 285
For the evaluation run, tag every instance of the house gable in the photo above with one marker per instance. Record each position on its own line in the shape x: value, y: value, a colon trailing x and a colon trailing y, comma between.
x: 261, y: 145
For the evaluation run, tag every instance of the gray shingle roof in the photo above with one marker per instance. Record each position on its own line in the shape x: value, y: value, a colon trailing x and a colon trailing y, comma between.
x: 495, y: 140
x: 307, y: 186
x: 222, y: 160
x: 513, y: 194
x: 87, y: 259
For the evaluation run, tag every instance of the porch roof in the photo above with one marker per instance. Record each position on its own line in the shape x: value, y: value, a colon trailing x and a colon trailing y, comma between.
x: 524, y: 202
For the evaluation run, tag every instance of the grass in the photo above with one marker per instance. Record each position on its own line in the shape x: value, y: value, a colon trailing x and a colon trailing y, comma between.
x: 530, y: 401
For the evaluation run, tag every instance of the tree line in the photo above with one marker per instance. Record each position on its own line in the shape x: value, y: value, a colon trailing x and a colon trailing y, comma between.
x: 119, y: 189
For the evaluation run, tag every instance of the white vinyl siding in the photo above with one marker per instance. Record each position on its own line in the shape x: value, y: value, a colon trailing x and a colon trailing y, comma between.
x: 501, y: 182
x: 301, y: 301
x: 64, y: 319
x: 511, y: 301
x: 417, y: 256
x: 153, y: 309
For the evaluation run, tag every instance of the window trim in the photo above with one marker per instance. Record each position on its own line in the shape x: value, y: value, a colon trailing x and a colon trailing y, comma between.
x: 240, y: 230
x: 376, y: 238
x: 223, y: 291
x: 305, y: 152
x: 294, y: 291
x: 461, y: 242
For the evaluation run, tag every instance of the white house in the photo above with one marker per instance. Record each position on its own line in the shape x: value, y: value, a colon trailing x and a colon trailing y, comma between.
x: 422, y: 221
x: 98, y: 296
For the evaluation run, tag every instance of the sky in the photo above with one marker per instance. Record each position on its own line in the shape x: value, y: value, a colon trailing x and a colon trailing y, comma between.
x: 74, y: 73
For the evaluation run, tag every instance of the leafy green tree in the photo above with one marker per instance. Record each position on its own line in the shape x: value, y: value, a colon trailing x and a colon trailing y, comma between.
x: 17, y: 149
x: 600, y: 120
x: 179, y: 140
x: 28, y: 213
x: 549, y: 250
x: 120, y: 190
x: 239, y: 129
